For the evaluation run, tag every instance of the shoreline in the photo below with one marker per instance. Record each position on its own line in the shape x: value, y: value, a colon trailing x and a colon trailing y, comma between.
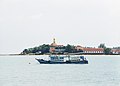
x: 54, y: 54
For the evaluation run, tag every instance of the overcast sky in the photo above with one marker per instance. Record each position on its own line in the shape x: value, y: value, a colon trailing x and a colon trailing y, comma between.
x: 29, y: 23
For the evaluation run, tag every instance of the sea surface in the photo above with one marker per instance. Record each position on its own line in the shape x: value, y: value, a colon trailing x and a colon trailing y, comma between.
x: 26, y: 71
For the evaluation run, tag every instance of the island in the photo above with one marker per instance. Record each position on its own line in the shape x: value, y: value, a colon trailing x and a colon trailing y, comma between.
x: 55, y: 48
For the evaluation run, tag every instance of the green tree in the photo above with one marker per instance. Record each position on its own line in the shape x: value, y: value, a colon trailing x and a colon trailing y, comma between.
x: 102, y: 45
x: 45, y: 48
x: 69, y: 48
x: 107, y: 51
x: 35, y: 50
x: 25, y: 51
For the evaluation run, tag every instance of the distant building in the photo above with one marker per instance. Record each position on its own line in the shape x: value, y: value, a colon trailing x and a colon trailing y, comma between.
x: 79, y: 48
x: 89, y: 50
x: 115, y: 51
x: 54, y: 48
x: 93, y: 50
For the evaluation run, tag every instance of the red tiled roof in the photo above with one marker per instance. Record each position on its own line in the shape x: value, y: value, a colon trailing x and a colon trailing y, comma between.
x: 115, y: 50
x: 78, y: 46
x: 59, y: 45
x: 53, y: 44
x: 93, y: 49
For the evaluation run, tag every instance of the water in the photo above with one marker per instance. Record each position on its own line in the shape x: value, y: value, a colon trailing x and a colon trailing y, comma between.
x: 101, y: 71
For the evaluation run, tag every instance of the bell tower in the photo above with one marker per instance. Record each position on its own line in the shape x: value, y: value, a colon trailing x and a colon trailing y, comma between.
x: 53, y: 46
x: 54, y: 40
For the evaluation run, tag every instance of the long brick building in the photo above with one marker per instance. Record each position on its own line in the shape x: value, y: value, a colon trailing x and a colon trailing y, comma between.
x: 90, y: 50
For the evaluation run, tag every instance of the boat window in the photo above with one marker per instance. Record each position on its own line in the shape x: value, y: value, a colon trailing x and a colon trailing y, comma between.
x: 61, y: 57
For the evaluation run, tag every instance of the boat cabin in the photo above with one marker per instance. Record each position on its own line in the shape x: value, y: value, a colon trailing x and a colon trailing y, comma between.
x: 57, y: 58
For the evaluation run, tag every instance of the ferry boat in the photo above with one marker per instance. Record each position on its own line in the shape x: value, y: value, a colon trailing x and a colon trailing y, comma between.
x: 55, y: 59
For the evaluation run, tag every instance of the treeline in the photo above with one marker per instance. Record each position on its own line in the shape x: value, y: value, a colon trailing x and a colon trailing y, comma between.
x: 37, y: 50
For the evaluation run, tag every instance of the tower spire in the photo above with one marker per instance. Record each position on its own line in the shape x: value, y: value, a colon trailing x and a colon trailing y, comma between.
x: 53, y: 40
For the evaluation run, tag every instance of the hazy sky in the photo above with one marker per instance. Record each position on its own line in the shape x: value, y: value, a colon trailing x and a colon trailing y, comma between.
x: 29, y: 23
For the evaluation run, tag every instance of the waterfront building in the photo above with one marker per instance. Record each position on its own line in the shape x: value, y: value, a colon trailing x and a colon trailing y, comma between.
x: 115, y: 51
x: 55, y: 48
x: 89, y: 50
x: 79, y: 48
